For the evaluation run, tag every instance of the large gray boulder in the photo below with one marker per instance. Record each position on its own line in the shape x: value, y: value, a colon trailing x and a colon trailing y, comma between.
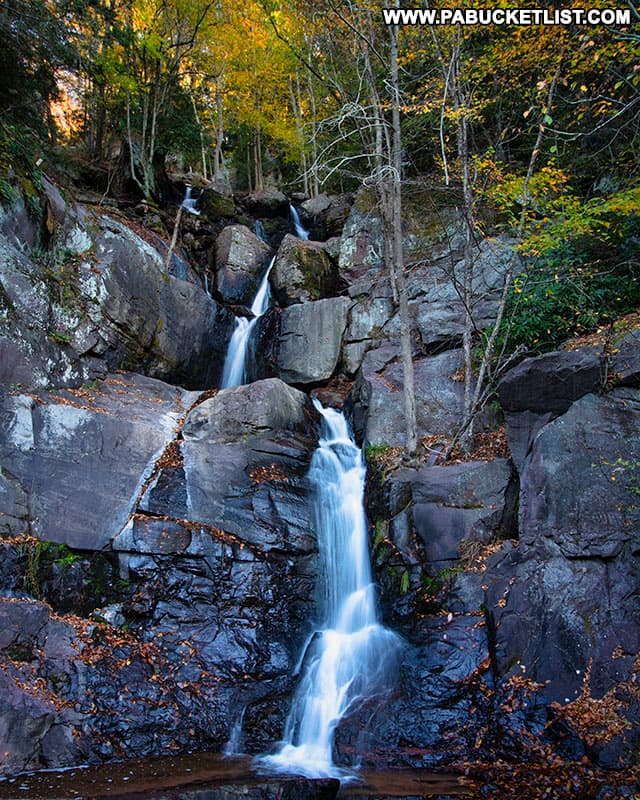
x: 302, y: 271
x: 473, y: 501
x: 550, y: 383
x: 73, y: 462
x: 538, y: 389
x: 102, y: 302
x: 241, y: 260
x: 579, y: 485
x: 377, y: 401
x: 311, y: 339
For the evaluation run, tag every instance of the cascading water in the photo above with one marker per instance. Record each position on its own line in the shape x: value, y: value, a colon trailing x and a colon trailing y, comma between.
x: 301, y: 233
x: 260, y: 231
x: 189, y: 202
x: 352, y: 656
x: 234, y: 371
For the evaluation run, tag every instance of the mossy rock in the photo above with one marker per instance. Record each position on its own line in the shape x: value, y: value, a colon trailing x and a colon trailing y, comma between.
x: 214, y: 205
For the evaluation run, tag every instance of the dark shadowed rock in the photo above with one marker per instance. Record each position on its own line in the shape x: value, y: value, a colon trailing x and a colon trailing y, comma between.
x: 310, y: 340
x: 522, y: 427
x: 214, y: 205
x: 302, y: 271
x: 325, y: 215
x: 625, y: 360
x: 241, y: 259
x: 577, y: 488
x: 267, y: 203
x: 470, y: 501
x: 551, y: 382
x: 570, y: 625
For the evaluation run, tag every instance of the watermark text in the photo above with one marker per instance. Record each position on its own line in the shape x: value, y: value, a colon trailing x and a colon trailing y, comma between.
x: 506, y: 16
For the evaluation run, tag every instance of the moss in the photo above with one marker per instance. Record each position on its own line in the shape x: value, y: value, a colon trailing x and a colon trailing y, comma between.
x: 366, y: 200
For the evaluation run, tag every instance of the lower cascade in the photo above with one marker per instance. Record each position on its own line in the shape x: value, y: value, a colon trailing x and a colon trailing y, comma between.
x: 351, y: 657
x: 234, y: 370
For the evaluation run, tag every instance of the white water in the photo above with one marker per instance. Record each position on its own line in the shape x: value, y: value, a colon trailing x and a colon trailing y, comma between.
x: 189, y: 203
x: 260, y: 231
x: 351, y: 657
x: 301, y: 233
x: 234, y: 371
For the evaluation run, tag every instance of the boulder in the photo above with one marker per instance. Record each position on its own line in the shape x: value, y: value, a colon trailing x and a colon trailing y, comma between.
x: 267, y: 203
x: 214, y: 205
x: 367, y: 320
x: 552, y: 382
x: 73, y: 317
x: 377, y: 403
x: 473, y: 501
x: 259, y: 438
x: 625, y: 360
x: 241, y: 259
x: 153, y: 323
x: 325, y: 215
x: 302, y: 271
x: 579, y: 485
x: 237, y: 413
x: 73, y: 462
x: 310, y: 340
x: 434, y: 299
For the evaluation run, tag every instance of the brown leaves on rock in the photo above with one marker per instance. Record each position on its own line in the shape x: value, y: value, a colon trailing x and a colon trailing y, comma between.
x: 487, y: 446
x: 598, y: 720
x: 272, y: 473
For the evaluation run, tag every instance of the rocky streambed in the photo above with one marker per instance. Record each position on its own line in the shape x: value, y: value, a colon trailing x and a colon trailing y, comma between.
x: 158, y: 556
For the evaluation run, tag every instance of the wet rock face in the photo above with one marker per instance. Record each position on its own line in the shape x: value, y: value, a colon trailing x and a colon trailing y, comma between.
x: 241, y: 260
x: 217, y: 561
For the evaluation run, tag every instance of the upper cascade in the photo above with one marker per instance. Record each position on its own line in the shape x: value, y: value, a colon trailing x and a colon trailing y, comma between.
x: 234, y: 372
x: 301, y: 232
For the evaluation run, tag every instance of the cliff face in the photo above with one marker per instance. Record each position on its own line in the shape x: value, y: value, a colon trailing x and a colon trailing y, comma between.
x: 158, y: 557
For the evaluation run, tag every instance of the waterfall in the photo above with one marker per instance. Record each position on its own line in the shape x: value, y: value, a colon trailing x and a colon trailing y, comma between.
x: 301, y: 233
x: 260, y: 231
x: 189, y: 203
x: 234, y: 371
x: 350, y: 658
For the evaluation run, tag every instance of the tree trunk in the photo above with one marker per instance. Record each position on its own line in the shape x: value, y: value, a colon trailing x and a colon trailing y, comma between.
x: 398, y: 258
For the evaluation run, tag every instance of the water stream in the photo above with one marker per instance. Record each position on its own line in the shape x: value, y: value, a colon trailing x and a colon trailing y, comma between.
x: 234, y: 372
x: 301, y: 232
x: 189, y: 202
x: 351, y: 657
